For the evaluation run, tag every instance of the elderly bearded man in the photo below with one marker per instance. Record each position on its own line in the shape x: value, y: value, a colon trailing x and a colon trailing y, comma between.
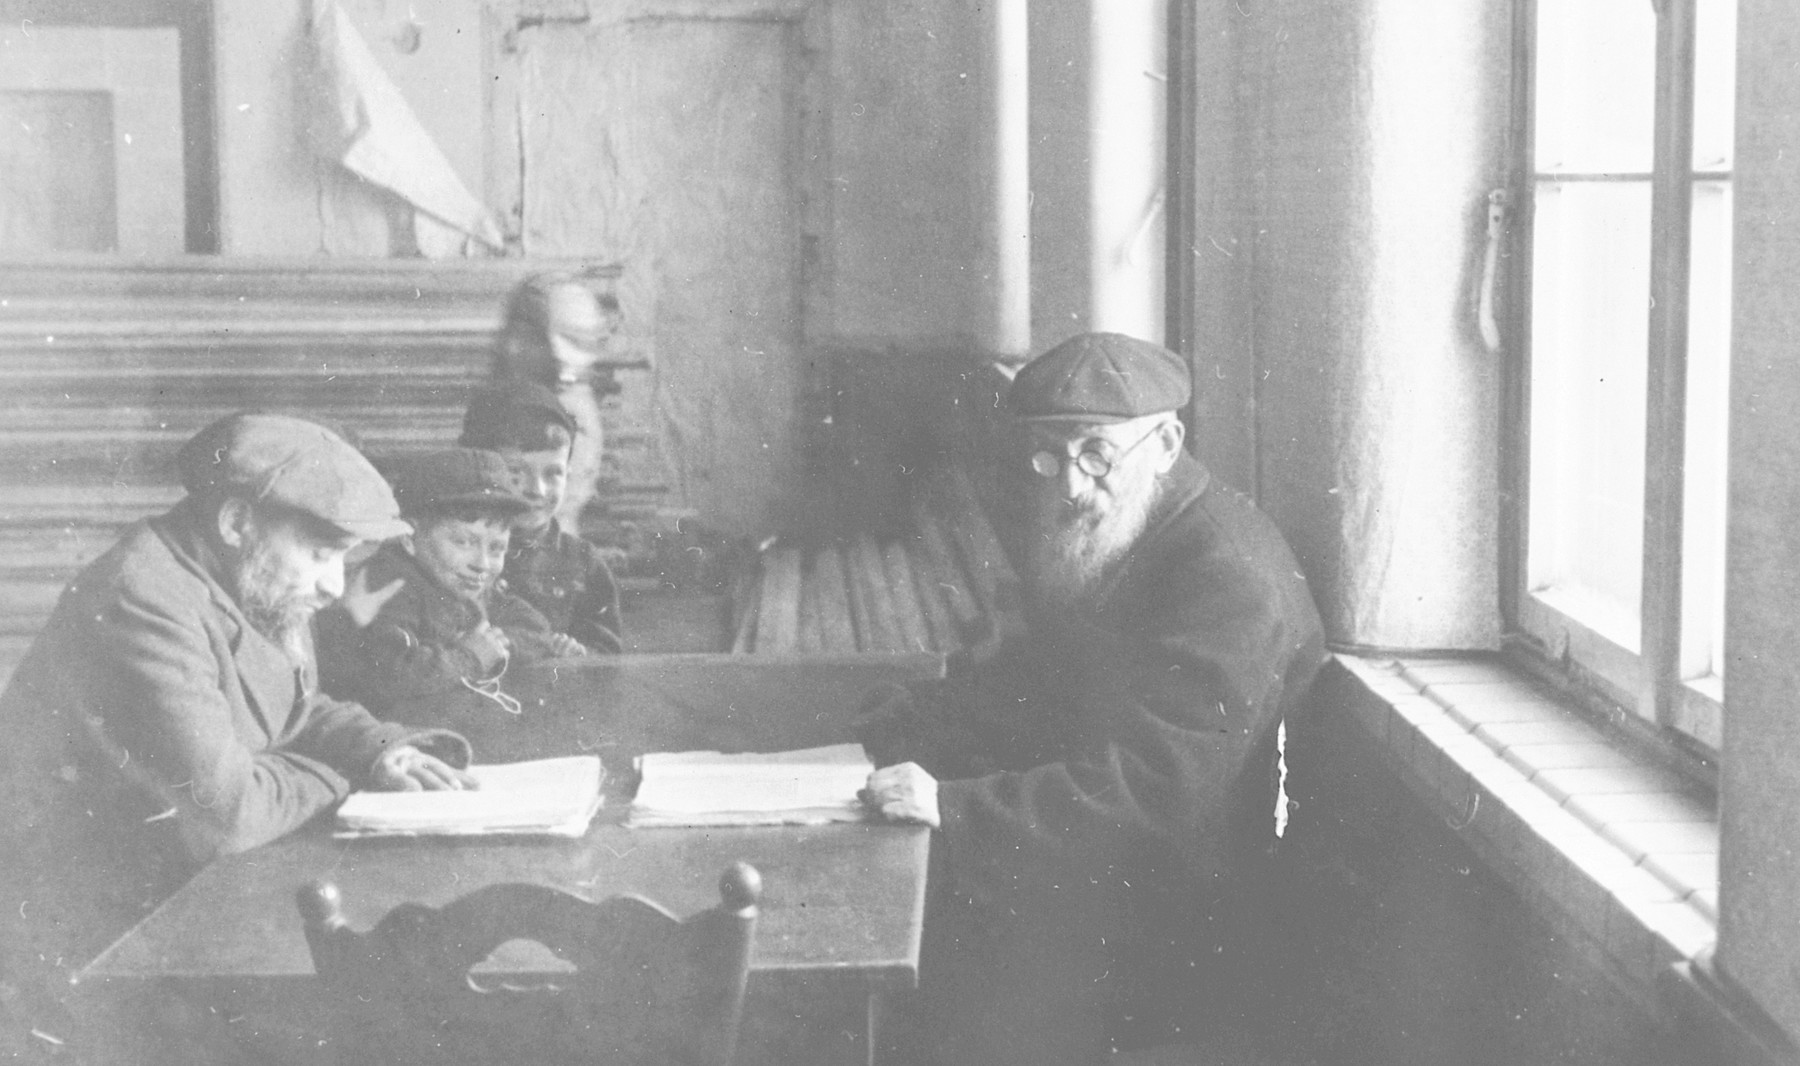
x: 170, y: 712
x: 1104, y: 789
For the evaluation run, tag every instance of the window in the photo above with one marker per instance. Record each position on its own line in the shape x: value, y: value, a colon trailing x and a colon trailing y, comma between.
x: 1621, y: 522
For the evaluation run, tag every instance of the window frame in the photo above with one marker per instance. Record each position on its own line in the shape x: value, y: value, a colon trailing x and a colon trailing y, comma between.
x: 1642, y: 692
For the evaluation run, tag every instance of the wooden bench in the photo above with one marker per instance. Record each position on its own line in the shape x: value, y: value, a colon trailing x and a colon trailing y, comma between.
x: 941, y: 584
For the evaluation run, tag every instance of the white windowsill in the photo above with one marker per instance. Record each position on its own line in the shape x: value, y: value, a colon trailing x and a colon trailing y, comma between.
x: 1588, y: 837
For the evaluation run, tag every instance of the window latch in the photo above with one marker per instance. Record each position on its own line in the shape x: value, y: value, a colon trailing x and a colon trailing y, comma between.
x: 1498, y: 201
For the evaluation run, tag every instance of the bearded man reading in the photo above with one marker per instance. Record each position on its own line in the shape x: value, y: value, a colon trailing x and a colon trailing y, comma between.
x: 1104, y: 787
x: 170, y: 713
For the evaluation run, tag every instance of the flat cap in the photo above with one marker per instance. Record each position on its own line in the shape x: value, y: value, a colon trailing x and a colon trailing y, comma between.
x: 511, y: 409
x: 293, y: 462
x: 1100, y: 377
x: 455, y: 477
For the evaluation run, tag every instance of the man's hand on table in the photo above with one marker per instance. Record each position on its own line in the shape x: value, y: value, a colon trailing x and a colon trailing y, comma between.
x: 404, y: 768
x: 903, y: 793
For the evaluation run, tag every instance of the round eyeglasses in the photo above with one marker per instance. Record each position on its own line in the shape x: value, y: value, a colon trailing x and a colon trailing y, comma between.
x: 1090, y: 461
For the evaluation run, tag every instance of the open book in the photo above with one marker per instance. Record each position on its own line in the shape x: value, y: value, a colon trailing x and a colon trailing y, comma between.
x: 542, y: 797
x: 809, y: 787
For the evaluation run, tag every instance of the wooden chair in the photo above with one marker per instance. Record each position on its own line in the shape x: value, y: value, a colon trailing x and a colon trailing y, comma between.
x: 646, y: 987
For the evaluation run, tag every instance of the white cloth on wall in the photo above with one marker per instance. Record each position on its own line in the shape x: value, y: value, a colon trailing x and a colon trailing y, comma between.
x: 365, y: 123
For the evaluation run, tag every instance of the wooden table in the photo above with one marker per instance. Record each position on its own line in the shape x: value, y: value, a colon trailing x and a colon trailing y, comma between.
x: 625, y: 705
x: 843, y: 905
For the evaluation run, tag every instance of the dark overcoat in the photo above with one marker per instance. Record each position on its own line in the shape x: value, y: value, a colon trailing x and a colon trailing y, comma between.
x: 567, y: 580
x: 149, y: 729
x: 1107, y: 786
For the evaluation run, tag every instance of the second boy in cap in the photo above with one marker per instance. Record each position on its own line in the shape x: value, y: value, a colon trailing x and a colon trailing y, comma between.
x: 556, y: 571
x: 448, y: 625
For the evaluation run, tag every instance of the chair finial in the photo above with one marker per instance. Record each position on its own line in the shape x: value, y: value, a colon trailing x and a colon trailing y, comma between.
x: 740, y: 886
x: 321, y: 904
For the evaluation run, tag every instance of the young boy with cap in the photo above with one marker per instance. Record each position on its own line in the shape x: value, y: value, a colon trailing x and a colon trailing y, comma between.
x: 447, y: 625
x: 556, y: 571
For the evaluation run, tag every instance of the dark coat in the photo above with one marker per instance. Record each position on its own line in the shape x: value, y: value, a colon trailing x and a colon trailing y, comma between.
x: 566, y: 579
x: 148, y: 729
x: 1111, y: 779
x: 418, y: 652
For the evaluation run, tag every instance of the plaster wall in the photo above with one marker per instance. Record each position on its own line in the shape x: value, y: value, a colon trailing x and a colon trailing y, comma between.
x: 1421, y: 553
x: 1098, y: 89
x: 1307, y: 98
x: 835, y: 211
x: 906, y: 86
x: 275, y: 196
x: 1376, y: 128
x: 1223, y: 250
x: 902, y: 80
x: 1760, y: 772
x: 1127, y: 122
x: 706, y: 227
x: 1061, y: 175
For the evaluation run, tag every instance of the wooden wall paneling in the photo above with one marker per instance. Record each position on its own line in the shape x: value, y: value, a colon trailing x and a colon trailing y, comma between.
x: 989, y: 573
x: 861, y: 611
x: 746, y: 604
x: 107, y: 369
x: 915, y: 635
x: 944, y: 571
x: 778, y: 613
x: 869, y: 578
x: 808, y: 640
x: 837, y: 633
x: 939, y: 622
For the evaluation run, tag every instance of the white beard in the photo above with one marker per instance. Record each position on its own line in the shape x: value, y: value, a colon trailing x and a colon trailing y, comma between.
x: 1076, y: 549
x: 284, y: 619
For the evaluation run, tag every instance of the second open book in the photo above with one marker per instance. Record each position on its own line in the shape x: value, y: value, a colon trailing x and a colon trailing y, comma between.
x: 543, y: 797
x: 813, y: 786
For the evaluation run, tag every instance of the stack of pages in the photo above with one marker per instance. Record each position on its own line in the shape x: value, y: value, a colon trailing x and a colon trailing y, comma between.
x: 810, y: 787
x: 543, y: 797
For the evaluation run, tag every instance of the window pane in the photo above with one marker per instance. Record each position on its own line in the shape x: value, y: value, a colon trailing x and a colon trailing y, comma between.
x: 1715, y: 82
x: 1590, y: 297
x: 1596, y: 86
x: 57, y: 177
x: 1708, y: 374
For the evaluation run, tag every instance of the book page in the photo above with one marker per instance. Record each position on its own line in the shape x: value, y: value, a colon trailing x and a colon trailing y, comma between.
x: 808, y: 787
x: 541, y: 796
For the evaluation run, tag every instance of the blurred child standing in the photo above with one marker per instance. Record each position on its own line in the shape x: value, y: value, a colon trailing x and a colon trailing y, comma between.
x: 556, y: 328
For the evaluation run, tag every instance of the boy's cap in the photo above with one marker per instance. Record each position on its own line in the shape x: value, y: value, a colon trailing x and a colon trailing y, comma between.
x: 1100, y: 377
x: 455, y: 477
x: 295, y: 463
x: 493, y: 409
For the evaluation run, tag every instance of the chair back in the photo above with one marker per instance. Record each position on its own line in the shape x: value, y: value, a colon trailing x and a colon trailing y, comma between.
x: 642, y: 986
